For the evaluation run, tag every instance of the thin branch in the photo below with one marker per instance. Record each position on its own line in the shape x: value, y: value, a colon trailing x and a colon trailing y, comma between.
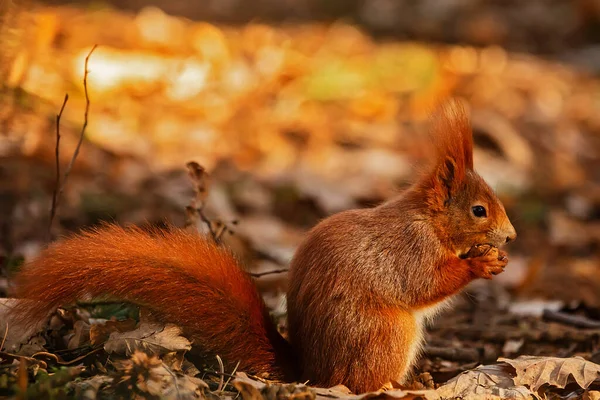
x: 5, y: 336
x: 577, y: 321
x: 275, y: 271
x: 57, y: 157
x: 201, y: 183
x: 56, y: 197
x: 85, y: 116
x: 209, y: 224
x: 222, y: 379
x: 232, y: 375
x: 216, y: 373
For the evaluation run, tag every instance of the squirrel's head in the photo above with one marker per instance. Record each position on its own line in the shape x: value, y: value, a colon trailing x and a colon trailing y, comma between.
x: 465, y: 209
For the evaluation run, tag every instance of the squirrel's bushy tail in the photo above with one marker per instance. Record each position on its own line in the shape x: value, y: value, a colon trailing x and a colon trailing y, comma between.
x: 181, y: 277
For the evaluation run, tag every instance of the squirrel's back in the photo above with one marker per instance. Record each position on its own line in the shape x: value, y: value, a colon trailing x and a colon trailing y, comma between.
x: 181, y: 277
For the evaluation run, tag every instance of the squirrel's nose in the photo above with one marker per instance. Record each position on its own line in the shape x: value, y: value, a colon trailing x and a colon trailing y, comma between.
x: 511, y: 234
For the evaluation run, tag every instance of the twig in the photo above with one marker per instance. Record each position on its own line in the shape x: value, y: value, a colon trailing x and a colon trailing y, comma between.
x: 56, y: 198
x: 58, y: 360
x: 53, y: 356
x: 221, y: 380
x: 215, y: 373
x: 12, y: 357
x: 81, y: 357
x: 275, y: 271
x: 232, y: 375
x: 57, y: 157
x: 209, y: 224
x: 85, y: 115
x: 4, y: 338
x: 577, y: 321
x: 201, y: 182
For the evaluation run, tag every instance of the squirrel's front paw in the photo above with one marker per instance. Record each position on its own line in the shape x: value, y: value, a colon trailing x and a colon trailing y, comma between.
x: 485, y: 261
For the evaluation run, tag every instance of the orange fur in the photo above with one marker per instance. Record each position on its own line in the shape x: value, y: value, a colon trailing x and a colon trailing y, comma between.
x: 363, y: 280
x: 181, y: 277
x: 362, y: 283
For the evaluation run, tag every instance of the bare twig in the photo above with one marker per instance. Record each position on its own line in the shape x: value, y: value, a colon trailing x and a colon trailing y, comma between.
x: 4, y: 338
x: 209, y: 224
x: 57, y: 157
x: 232, y: 375
x: 61, y: 186
x: 201, y: 182
x: 53, y: 356
x: 275, y: 271
x: 216, y: 373
x: 222, y: 368
x: 78, y: 359
x: 11, y: 357
x: 58, y: 360
x: 577, y: 321
x: 85, y: 115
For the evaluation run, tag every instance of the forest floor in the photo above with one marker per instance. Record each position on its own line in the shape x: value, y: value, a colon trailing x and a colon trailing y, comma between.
x: 295, y: 122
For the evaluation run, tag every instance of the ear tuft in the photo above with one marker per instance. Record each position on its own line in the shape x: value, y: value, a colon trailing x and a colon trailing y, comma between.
x: 453, y: 136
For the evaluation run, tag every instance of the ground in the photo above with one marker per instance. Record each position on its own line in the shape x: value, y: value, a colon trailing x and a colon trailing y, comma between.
x: 295, y: 120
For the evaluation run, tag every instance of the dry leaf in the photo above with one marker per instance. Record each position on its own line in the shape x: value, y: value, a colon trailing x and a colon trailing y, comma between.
x: 174, y: 360
x: 342, y: 392
x: 535, y: 372
x: 88, y: 389
x: 141, y: 373
x: 79, y: 336
x: 156, y: 338
x: 252, y: 389
x: 592, y: 395
x: 99, y: 333
x: 18, y: 334
x: 491, y: 381
x: 185, y: 387
x: 249, y: 389
x: 399, y: 394
x: 148, y: 375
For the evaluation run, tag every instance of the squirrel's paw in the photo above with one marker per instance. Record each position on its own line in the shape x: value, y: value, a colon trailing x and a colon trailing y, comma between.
x: 485, y: 261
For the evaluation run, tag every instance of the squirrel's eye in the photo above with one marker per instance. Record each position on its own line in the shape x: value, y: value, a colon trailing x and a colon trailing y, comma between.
x: 479, y: 211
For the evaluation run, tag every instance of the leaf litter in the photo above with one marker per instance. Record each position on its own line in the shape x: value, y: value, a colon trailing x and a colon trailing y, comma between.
x: 315, y: 109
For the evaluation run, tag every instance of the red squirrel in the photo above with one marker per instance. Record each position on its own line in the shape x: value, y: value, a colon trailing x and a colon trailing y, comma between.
x: 362, y: 283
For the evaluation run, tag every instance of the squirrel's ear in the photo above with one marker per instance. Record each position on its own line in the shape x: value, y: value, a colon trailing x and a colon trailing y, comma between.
x: 446, y: 177
x: 443, y: 183
x: 453, y: 141
x: 452, y: 134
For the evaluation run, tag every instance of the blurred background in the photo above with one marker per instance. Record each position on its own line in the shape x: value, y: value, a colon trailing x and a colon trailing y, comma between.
x: 302, y: 108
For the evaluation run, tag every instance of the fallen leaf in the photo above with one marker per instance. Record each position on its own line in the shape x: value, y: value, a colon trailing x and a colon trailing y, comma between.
x: 88, y: 389
x: 99, y: 333
x: 159, y: 339
x: 79, y: 336
x: 252, y: 389
x: 249, y: 390
x: 399, y: 394
x: 18, y: 334
x: 535, y: 372
x: 592, y: 395
x: 486, y: 381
